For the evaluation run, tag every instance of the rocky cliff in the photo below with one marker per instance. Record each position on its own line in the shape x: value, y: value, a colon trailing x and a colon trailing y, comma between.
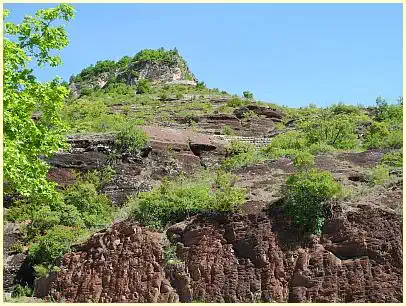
x: 160, y: 67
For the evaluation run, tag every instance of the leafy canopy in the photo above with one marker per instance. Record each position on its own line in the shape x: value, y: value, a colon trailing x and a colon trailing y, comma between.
x: 27, y: 140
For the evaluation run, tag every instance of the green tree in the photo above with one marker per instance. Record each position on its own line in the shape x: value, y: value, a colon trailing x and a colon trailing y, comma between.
x: 248, y: 95
x: 144, y: 86
x: 307, y: 196
x: 26, y: 141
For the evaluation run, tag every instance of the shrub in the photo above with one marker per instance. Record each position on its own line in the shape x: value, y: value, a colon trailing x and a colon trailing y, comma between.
x: 393, y: 159
x: 173, y: 201
x: 303, y: 160
x: 99, y: 177
x: 227, y: 197
x: 159, y: 55
x: 20, y: 291
x: 41, y: 271
x: 119, y: 89
x: 375, y: 135
x: 143, y: 86
x: 337, y: 131
x: 241, y: 154
x: 378, y: 175
x: 394, y: 139
x: 389, y: 113
x: 170, y: 256
x: 93, y: 208
x: 228, y: 130
x: 179, y: 95
x: 130, y: 139
x: 320, y: 148
x: 286, y: 144
x: 54, y: 244
x: 16, y: 248
x: 307, y: 196
x: 163, y: 96
x: 237, y: 147
x: 248, y: 95
x: 236, y: 102
x: 200, y: 86
x: 91, y: 116
x: 342, y: 108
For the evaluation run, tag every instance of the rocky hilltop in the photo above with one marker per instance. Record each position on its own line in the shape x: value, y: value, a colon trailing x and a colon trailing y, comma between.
x: 255, y: 251
x: 158, y: 66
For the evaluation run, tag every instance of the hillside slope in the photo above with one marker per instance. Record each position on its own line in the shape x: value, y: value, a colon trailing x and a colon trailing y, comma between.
x: 199, y: 209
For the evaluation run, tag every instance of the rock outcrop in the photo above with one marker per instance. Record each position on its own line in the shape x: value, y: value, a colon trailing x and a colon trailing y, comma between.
x: 168, y: 153
x: 241, y: 258
x: 159, y: 72
x: 121, y: 264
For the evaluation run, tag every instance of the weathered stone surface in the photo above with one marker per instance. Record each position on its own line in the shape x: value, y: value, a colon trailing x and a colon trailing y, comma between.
x: 120, y: 264
x: 275, y: 115
x: 254, y: 258
x: 169, y: 153
x: 15, y: 267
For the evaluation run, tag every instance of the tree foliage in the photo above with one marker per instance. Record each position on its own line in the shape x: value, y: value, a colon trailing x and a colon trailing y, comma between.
x: 307, y: 196
x: 28, y: 141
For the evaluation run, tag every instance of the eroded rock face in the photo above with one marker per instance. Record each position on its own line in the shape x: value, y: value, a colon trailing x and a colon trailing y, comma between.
x: 273, y: 114
x: 168, y: 153
x: 120, y: 264
x: 241, y: 258
x: 16, y: 269
x: 254, y: 258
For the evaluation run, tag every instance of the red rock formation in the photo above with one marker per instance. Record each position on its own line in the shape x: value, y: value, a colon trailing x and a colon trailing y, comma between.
x: 120, y: 264
x: 239, y: 258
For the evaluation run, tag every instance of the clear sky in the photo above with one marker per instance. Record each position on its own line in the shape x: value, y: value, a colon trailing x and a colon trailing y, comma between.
x: 290, y: 54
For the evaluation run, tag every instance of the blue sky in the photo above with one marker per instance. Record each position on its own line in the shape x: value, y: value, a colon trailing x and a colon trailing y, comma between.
x: 290, y: 54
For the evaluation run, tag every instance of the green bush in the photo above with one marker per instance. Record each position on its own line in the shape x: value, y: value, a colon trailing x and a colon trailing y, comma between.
x: 286, y: 144
x: 99, y: 177
x: 337, y: 131
x: 307, y: 196
x: 394, y: 139
x: 248, y: 95
x: 130, y: 139
x: 237, y: 147
x: 170, y: 256
x: 173, y: 201
x: 303, y: 160
x: 120, y: 89
x: 375, y: 135
x: 54, y: 244
x: 342, y: 108
x: 16, y: 248
x: 92, y: 207
x: 20, y: 291
x: 250, y: 115
x: 200, y: 86
x: 236, y: 102
x: 159, y: 56
x: 143, y: 86
x: 378, y: 175
x: 393, y: 159
x: 315, y: 148
x: 389, y: 112
x: 241, y: 154
x: 85, y: 115
x: 163, y: 96
x: 41, y: 271
x: 228, y: 130
x: 179, y: 95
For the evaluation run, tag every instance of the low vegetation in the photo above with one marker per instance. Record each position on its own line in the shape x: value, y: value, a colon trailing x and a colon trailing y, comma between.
x: 173, y: 201
x: 308, y: 195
